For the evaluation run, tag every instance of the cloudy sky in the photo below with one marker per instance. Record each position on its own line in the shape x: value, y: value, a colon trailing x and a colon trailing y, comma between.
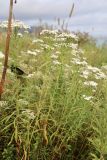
x: 88, y: 15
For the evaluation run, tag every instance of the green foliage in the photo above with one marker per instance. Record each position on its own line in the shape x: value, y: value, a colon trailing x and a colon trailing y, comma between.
x: 46, y: 114
x: 9, y: 153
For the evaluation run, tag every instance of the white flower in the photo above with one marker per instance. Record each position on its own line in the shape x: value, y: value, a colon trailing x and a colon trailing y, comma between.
x: 56, y: 62
x: 74, y: 36
x: 15, y: 24
x: 77, y: 61
x: 85, y: 74
x: 67, y: 35
x: 37, y: 50
x: 28, y: 113
x: 3, y: 103
x: 74, y: 46
x: 20, y: 34
x: 100, y: 75
x: 1, y: 55
x: 32, y: 53
x: 37, y: 41
x: 54, y: 32
x: 57, y: 52
x: 54, y: 56
x: 74, y: 52
x: 83, y: 63
x: 26, y: 31
x: 84, y: 58
x: 91, y: 83
x: 31, y: 75
x: 45, y: 46
x: 93, y: 69
x: 60, y: 39
x: 88, y: 98
x: 80, y: 51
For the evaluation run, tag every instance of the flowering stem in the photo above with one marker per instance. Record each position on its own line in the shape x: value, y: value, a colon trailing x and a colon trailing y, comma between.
x: 6, y: 48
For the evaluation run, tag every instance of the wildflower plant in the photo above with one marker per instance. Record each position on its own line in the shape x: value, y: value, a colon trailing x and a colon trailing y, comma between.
x: 55, y: 110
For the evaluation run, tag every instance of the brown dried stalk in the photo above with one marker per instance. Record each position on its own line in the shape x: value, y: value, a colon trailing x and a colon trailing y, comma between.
x: 6, y: 48
x: 43, y: 125
x: 63, y: 23
x: 58, y: 20
x: 70, y: 15
x: 71, y: 11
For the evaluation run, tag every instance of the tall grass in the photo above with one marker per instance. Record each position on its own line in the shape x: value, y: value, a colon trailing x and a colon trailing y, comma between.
x: 44, y: 115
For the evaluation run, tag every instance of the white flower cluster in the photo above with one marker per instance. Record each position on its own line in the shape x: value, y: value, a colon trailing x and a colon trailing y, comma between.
x: 67, y: 35
x: 88, y: 98
x: 93, y: 71
x: 29, y: 114
x: 78, y: 61
x: 31, y: 75
x: 3, y: 103
x: 19, y: 34
x: 54, y: 32
x: 91, y: 83
x: 59, y: 35
x: 73, y: 46
x: 85, y: 69
x: 32, y: 52
x: 37, y: 41
x: 54, y: 57
x: 15, y: 24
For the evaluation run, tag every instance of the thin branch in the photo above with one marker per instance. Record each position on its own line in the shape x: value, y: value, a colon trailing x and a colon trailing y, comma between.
x: 6, y: 48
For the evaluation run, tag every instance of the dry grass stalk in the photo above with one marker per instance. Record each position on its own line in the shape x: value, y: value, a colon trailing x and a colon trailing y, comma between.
x: 7, y: 48
x: 63, y: 23
x: 70, y: 15
x: 71, y: 11
x: 58, y: 20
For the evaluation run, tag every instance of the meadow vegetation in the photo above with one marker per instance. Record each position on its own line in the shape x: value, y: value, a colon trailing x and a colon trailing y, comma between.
x: 58, y: 109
